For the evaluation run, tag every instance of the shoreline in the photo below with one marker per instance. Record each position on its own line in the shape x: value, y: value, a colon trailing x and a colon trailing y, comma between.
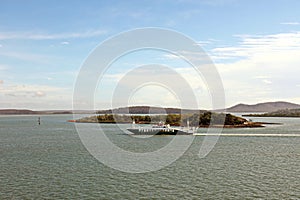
x: 246, y: 125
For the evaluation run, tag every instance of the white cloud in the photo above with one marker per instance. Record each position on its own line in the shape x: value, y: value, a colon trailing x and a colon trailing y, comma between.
x: 47, y: 36
x: 163, y: 97
x: 39, y: 94
x: 274, y: 47
x: 4, y: 67
x: 189, y: 56
x: 261, y: 77
x: 269, y: 49
x: 152, y: 92
x: 172, y: 56
x: 26, y: 90
x: 267, y: 81
x: 290, y: 23
x: 260, y: 67
x: 22, y: 90
x: 207, y: 42
x: 65, y: 43
x: 14, y: 95
x: 1, y: 45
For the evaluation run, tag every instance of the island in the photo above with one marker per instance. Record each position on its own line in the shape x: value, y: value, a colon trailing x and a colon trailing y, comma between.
x: 262, y: 107
x: 278, y: 113
x: 201, y: 119
x: 32, y: 112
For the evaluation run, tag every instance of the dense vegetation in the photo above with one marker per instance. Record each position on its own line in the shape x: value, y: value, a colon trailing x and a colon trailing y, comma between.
x: 201, y: 119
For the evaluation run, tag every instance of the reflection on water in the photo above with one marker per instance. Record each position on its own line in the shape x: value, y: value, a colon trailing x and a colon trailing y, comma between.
x: 49, y: 161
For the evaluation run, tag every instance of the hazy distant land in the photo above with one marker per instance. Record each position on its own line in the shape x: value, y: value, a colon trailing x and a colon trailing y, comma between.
x: 278, y: 113
x: 263, y: 107
x: 260, y: 107
x: 44, y: 112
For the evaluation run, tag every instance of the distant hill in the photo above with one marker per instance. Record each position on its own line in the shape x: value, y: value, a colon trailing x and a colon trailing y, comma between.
x: 278, y: 113
x: 260, y: 107
x: 147, y: 110
x: 123, y: 110
x: 30, y: 112
x: 17, y: 112
x: 263, y: 107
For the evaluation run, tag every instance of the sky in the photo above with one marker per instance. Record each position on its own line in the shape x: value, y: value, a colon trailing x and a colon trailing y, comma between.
x: 255, y: 46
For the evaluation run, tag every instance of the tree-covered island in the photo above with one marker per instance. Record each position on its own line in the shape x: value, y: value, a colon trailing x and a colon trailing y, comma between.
x: 203, y: 119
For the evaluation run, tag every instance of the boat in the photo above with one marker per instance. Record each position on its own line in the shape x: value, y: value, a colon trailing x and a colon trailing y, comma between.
x: 161, y: 129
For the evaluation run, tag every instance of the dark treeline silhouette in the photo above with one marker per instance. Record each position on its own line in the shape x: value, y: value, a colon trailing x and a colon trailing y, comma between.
x: 200, y: 119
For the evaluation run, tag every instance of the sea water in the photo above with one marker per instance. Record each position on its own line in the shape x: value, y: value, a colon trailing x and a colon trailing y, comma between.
x: 49, y: 161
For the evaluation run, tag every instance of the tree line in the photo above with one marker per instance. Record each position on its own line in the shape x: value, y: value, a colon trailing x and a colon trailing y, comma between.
x: 196, y: 119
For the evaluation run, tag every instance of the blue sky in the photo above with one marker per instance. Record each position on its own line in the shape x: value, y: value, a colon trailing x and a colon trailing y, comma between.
x: 255, y: 45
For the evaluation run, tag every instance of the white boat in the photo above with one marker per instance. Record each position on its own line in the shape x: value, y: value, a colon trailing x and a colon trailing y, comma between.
x: 162, y: 129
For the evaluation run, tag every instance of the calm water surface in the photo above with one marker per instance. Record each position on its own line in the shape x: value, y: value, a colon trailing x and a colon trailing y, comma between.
x: 50, y: 162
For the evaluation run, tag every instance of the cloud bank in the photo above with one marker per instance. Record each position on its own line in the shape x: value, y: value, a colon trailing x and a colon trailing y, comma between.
x: 47, y: 36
